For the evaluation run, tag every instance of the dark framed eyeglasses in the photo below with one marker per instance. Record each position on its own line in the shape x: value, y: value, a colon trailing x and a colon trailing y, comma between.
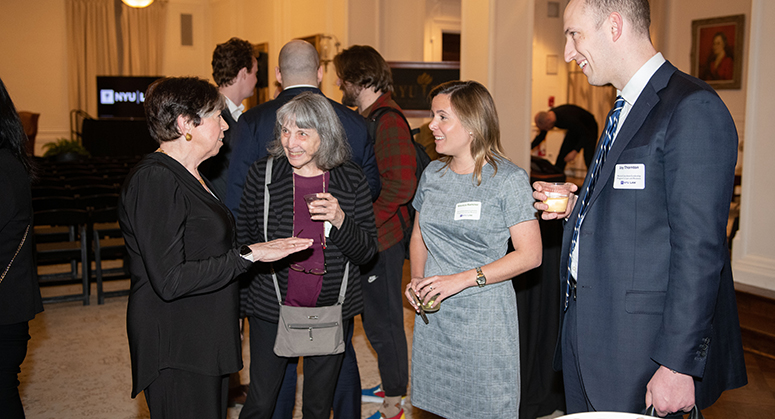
x: 314, y: 271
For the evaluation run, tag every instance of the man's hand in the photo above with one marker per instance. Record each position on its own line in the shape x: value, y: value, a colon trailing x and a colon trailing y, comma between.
x: 540, y: 196
x: 670, y: 392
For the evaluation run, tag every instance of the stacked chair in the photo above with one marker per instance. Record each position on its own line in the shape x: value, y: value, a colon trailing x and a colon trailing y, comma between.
x: 76, y: 224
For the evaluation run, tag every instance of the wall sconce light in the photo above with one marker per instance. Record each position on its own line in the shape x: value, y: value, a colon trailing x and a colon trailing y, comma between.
x: 138, y: 4
x: 325, y: 49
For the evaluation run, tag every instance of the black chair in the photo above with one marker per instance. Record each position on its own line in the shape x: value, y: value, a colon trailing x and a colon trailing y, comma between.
x: 87, y: 190
x: 50, y: 190
x: 116, y: 180
x: 74, y: 172
x: 43, y: 203
x: 72, y: 250
x: 48, y: 233
x: 86, y: 180
x: 108, y: 244
x: 100, y: 201
x: 110, y: 171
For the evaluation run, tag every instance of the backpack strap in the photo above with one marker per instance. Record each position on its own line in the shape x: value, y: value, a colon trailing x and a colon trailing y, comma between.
x: 373, y: 120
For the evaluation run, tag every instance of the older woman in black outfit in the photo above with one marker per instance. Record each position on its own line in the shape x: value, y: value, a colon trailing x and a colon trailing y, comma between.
x: 310, y: 157
x: 182, y: 317
x: 19, y: 293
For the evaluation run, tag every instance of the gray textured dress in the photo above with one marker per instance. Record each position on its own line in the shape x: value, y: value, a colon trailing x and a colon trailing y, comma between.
x: 465, y: 363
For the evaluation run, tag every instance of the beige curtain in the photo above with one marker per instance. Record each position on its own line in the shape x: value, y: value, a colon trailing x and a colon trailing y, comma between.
x: 92, y: 49
x: 142, y: 34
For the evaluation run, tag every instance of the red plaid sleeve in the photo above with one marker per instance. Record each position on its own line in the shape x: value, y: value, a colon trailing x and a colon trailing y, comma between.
x: 397, y: 165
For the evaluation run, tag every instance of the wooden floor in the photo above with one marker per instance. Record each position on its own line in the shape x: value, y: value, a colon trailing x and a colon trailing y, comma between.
x: 755, y: 400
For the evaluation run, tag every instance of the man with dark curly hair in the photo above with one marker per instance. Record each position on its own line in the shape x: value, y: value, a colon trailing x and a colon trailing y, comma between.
x: 235, y: 71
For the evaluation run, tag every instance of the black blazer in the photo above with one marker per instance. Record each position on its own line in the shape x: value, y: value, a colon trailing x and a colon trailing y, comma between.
x: 355, y: 241
x: 654, y: 279
x: 19, y: 292
x: 183, y: 302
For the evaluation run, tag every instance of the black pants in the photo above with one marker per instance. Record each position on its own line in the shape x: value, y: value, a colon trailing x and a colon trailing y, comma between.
x: 383, y: 317
x: 178, y: 394
x: 13, y: 350
x: 347, y: 396
x: 575, y: 396
x: 267, y: 371
x: 565, y: 149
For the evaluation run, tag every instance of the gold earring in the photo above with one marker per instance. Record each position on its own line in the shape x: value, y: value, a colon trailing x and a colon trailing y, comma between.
x: 188, y: 137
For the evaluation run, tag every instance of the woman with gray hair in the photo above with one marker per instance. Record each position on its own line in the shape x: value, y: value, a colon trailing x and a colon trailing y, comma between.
x: 310, y: 159
x: 182, y: 316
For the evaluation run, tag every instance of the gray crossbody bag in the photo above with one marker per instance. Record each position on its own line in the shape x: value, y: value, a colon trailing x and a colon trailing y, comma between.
x: 305, y: 331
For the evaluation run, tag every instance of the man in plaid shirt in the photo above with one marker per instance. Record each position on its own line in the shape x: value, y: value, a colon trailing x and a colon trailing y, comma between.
x: 366, y: 82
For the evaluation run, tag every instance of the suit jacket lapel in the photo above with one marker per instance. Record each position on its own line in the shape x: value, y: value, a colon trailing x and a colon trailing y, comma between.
x: 647, y: 100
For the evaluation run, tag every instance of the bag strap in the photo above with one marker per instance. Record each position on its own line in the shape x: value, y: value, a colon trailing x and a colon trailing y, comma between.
x: 374, y: 117
x: 694, y: 414
x: 18, y: 249
x: 267, y: 181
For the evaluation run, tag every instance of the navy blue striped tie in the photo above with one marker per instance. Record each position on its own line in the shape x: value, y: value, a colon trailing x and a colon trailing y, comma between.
x: 602, y: 153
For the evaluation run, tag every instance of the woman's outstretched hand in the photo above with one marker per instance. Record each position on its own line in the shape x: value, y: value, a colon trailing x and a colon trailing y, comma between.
x: 278, y: 249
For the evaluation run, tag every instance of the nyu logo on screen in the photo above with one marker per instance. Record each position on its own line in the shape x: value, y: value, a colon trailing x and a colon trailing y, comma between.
x: 110, y: 97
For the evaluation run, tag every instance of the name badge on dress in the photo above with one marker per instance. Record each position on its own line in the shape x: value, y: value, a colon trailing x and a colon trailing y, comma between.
x: 468, y: 210
x: 630, y: 176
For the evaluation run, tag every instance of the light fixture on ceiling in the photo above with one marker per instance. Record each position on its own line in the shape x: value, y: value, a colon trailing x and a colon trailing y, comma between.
x: 139, y: 4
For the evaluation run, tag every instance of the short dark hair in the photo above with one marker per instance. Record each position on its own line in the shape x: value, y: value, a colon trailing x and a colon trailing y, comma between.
x: 362, y: 66
x: 229, y: 58
x: 636, y: 11
x: 310, y: 110
x: 475, y: 108
x: 12, y: 136
x: 190, y: 97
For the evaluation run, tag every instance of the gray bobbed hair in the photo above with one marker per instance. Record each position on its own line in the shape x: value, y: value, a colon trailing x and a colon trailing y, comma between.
x: 310, y: 110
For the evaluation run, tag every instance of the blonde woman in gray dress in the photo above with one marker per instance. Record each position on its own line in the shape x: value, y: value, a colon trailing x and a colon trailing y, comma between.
x: 465, y: 360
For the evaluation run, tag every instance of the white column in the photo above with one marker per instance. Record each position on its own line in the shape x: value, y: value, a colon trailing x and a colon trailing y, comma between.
x: 753, y: 259
x: 496, y: 50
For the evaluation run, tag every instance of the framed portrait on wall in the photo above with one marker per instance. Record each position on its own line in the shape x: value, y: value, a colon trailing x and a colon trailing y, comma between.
x: 717, y: 51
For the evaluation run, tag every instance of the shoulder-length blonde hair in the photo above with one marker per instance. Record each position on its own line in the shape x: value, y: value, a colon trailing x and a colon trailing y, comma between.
x: 475, y: 108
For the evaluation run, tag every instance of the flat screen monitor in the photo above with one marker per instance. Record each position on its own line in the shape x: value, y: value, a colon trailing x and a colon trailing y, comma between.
x: 122, y: 96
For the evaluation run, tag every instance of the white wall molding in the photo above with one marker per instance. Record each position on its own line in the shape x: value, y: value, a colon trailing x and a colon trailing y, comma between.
x: 754, y: 270
x: 753, y: 249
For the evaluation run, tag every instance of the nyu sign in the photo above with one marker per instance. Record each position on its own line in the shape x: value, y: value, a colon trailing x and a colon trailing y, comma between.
x: 110, y: 97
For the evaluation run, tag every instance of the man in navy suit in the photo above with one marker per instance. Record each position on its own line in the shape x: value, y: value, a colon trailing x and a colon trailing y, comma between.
x: 651, y: 317
x: 298, y: 71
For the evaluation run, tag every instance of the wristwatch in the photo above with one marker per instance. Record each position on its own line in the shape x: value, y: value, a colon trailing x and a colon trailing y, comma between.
x: 480, y: 278
x: 246, y: 253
